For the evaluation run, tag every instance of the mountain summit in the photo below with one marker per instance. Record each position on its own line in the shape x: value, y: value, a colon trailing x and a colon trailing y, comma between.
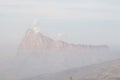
x: 34, y: 41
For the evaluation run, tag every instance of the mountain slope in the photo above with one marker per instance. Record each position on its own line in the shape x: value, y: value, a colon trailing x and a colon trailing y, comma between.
x: 104, y: 71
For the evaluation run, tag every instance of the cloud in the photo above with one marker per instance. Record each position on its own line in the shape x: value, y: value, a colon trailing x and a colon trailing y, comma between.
x: 61, y: 11
x: 13, y: 1
x: 60, y: 36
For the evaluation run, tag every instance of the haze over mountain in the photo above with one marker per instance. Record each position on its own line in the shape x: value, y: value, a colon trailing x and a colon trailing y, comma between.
x: 74, y: 33
x: 35, y: 41
x: 50, y: 56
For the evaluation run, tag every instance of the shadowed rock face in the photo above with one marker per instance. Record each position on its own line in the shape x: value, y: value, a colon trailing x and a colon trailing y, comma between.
x: 36, y: 41
x: 105, y: 71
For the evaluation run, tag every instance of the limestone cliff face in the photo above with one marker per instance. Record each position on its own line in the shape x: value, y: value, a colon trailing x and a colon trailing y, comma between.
x: 36, y: 41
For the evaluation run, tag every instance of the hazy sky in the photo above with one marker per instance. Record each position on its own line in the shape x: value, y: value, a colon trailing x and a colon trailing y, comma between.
x: 74, y: 21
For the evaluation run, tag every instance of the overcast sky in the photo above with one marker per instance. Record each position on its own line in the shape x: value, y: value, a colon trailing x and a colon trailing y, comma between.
x: 74, y: 21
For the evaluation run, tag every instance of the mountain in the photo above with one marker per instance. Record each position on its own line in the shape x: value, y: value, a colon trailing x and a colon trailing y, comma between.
x: 104, y: 71
x: 35, y: 41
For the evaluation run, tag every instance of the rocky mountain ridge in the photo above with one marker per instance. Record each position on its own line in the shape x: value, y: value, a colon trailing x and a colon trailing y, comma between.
x: 36, y: 41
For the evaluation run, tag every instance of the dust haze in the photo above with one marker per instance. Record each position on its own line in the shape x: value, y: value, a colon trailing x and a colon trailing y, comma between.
x: 59, y: 39
x: 18, y: 65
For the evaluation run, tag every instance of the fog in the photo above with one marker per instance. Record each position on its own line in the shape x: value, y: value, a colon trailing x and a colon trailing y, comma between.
x: 16, y: 65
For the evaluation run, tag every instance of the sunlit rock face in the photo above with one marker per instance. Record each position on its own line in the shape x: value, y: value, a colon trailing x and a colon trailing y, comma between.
x: 35, y: 41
